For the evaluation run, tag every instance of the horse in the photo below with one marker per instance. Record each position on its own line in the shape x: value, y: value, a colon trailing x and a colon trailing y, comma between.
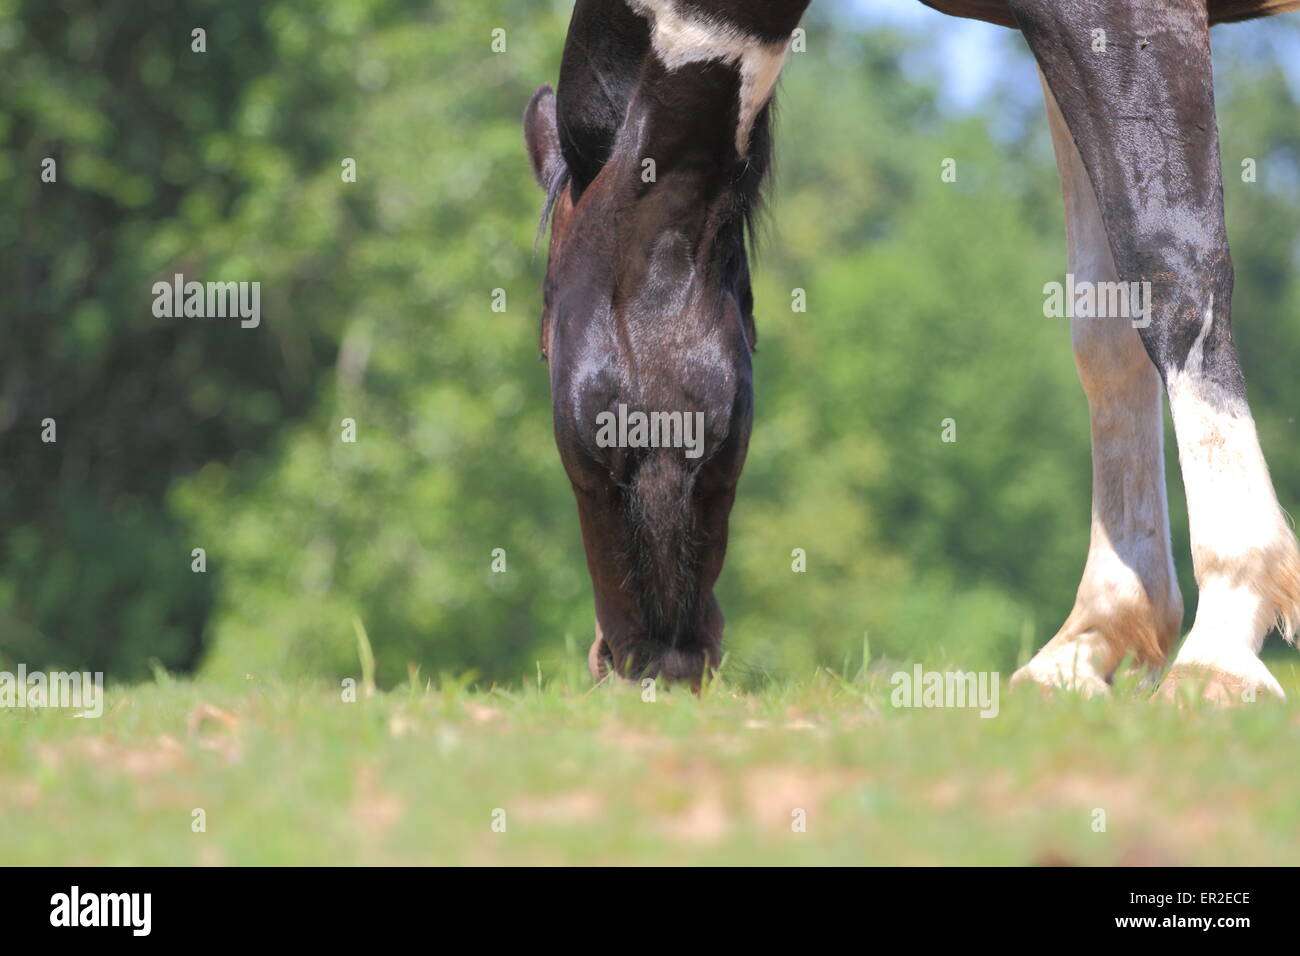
x: 1130, y: 104
x: 652, y: 153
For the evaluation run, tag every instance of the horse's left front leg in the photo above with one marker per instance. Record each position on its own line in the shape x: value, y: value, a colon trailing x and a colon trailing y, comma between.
x: 1128, y: 602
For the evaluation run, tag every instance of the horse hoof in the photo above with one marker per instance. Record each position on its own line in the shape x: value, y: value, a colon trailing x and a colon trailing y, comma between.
x: 1079, y: 679
x: 1244, y: 682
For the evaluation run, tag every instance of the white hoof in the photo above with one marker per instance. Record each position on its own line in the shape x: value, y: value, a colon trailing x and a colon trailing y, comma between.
x: 1229, y: 680
x: 1064, y: 668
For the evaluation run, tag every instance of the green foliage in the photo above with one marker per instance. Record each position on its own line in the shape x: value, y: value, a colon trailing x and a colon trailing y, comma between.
x: 208, y: 164
x: 453, y: 454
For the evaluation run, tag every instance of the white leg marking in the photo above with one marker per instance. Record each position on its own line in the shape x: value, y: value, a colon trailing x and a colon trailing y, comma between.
x: 1247, y: 565
x: 1128, y: 600
x: 679, y: 39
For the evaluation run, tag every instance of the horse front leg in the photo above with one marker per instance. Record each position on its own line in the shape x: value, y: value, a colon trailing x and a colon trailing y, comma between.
x: 1128, y: 602
x: 1140, y: 108
x: 604, y: 538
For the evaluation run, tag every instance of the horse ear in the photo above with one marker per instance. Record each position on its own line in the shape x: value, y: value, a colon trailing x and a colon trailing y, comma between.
x: 542, y: 136
x: 604, y: 51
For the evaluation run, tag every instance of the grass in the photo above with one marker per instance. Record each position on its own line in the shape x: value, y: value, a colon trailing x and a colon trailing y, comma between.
x: 293, y: 774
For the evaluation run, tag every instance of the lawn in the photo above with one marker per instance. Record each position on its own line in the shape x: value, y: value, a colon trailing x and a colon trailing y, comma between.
x: 822, y: 771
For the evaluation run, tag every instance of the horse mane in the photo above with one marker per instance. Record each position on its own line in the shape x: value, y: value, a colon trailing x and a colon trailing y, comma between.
x: 558, y: 179
x: 756, y: 171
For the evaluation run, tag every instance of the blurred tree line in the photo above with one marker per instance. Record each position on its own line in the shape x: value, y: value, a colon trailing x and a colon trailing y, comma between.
x: 924, y: 303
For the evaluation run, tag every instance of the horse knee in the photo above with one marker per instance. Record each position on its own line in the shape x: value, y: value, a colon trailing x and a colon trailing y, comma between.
x: 1187, y: 330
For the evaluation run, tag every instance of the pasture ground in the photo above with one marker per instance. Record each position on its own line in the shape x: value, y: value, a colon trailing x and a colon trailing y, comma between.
x: 291, y: 774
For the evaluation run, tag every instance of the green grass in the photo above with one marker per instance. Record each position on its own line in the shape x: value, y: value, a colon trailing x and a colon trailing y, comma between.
x: 413, y: 775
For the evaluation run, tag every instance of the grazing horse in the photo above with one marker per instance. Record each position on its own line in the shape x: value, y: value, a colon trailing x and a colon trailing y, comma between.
x: 652, y: 153
x: 1130, y: 101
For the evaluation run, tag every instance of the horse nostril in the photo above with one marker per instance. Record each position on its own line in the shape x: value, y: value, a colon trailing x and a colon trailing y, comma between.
x: 682, y: 666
